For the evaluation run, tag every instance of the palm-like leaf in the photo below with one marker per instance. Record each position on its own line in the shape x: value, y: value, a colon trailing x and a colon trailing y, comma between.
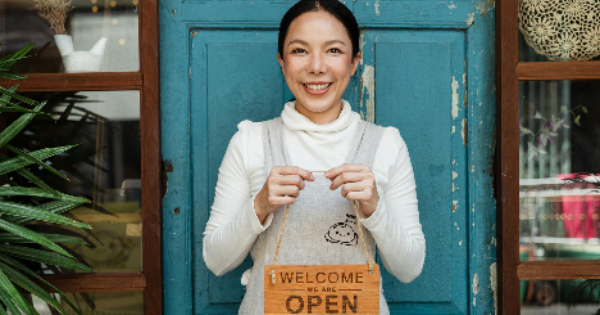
x: 57, y: 238
x: 9, y: 301
x: 25, y: 159
x: 12, y: 292
x: 34, y: 159
x: 58, y: 206
x: 16, y: 96
x: 21, y: 267
x: 32, y: 236
x: 42, y: 256
x: 36, y: 192
x: 30, y: 286
x: 9, y: 60
x: 31, y: 177
x: 14, y: 128
x: 21, y: 205
x: 35, y: 213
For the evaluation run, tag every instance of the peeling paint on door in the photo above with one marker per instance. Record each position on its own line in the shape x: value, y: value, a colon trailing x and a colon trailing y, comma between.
x: 484, y: 6
x: 475, y: 287
x: 463, y: 133
x: 367, y: 86
x: 361, y: 43
x: 454, y: 98
x: 494, y: 286
x: 471, y: 19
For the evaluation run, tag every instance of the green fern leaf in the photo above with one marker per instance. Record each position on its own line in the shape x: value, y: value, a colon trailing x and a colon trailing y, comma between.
x: 42, y: 256
x: 33, y: 236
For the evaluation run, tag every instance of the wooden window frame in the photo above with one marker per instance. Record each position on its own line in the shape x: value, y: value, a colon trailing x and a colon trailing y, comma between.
x: 509, y: 72
x: 146, y: 81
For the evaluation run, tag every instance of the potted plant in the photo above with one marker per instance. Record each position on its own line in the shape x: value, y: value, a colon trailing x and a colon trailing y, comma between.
x: 55, y: 12
x: 20, y: 247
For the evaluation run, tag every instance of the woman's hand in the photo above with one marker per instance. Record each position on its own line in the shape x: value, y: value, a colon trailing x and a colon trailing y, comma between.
x: 358, y: 184
x: 282, y: 187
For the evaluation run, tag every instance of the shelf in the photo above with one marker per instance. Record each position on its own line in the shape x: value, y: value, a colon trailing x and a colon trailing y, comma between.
x: 97, y: 282
x: 59, y: 82
x: 559, y: 270
x: 537, y: 71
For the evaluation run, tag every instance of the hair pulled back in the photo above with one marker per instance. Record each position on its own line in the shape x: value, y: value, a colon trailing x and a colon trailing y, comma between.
x: 333, y: 7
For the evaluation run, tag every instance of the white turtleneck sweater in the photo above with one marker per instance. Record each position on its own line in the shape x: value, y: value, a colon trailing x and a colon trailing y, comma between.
x: 233, y: 225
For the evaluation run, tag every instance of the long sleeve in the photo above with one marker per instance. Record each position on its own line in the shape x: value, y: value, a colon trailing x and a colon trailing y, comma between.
x: 233, y: 225
x: 395, y: 223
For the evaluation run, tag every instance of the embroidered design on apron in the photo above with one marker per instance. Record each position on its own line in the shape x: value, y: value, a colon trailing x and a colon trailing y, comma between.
x: 342, y: 232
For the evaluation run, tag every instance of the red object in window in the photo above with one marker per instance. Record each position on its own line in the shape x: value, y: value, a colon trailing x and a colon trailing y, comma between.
x: 581, y: 211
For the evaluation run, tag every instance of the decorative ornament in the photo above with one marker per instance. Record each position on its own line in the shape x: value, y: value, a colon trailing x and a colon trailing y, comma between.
x: 562, y: 30
x: 80, y: 61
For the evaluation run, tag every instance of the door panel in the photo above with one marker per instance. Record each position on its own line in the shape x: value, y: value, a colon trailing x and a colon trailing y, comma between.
x: 416, y: 90
x: 233, y: 78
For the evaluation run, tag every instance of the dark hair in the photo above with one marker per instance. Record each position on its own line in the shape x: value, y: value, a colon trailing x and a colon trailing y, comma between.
x: 333, y: 7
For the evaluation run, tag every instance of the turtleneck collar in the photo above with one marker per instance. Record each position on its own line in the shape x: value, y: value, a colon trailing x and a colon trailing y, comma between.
x: 294, y: 120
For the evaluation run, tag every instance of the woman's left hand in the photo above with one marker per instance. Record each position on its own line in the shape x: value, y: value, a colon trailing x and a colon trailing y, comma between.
x: 358, y: 184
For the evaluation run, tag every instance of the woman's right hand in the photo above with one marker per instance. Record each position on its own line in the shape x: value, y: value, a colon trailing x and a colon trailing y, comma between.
x: 282, y: 187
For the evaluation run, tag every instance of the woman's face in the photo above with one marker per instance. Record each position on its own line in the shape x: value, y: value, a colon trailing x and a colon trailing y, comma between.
x: 317, y: 64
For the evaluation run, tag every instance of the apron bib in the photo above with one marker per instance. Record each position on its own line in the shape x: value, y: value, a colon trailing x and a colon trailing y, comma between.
x: 321, y: 226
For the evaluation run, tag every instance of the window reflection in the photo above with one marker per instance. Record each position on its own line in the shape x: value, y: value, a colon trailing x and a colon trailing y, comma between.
x: 116, y: 20
x: 559, y: 170
x: 559, y: 297
x: 105, y: 168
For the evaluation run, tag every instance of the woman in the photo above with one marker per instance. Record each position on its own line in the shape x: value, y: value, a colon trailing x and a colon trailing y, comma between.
x: 271, y: 164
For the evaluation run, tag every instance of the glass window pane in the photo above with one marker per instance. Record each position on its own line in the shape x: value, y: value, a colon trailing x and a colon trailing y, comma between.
x: 86, y: 24
x: 559, y: 169
x: 105, y: 168
x: 98, y: 303
x: 560, y: 297
x: 559, y: 30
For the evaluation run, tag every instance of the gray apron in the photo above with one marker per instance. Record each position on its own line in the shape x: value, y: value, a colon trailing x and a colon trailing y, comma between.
x: 321, y: 225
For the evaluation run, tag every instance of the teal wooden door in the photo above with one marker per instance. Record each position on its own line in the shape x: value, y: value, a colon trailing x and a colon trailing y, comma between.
x: 428, y: 69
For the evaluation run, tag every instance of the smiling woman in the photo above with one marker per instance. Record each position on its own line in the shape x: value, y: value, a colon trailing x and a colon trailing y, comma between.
x: 318, y: 65
x: 321, y: 147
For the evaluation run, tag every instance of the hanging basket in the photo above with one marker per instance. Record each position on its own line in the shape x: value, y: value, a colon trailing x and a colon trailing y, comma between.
x: 561, y: 30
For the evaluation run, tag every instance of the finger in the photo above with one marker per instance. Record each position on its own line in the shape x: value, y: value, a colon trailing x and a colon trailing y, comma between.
x: 346, y: 177
x: 347, y: 167
x: 350, y: 187
x: 357, y: 195
x: 291, y: 180
x: 280, y: 201
x: 290, y: 190
x: 295, y: 170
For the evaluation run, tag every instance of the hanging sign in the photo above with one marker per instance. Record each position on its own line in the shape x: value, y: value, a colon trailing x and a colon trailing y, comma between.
x: 321, y: 289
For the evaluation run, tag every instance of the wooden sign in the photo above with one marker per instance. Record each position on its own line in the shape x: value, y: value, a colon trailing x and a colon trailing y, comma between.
x: 321, y: 289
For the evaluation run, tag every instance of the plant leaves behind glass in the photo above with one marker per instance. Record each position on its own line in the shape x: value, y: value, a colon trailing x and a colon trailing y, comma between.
x: 576, y: 121
x: 587, y: 291
x: 547, y: 131
x: 19, y: 247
